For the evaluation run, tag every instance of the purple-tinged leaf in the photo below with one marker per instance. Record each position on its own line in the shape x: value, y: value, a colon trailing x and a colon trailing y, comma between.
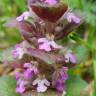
x: 22, y: 26
x: 34, y: 29
x: 28, y: 30
x: 15, y: 63
x: 49, y: 13
x: 48, y: 93
x: 49, y: 58
x: 68, y: 28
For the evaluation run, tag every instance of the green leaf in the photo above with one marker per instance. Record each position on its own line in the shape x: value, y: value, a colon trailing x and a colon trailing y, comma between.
x: 7, y: 86
x: 75, y: 85
x: 6, y: 55
x: 19, y: 2
x: 82, y: 53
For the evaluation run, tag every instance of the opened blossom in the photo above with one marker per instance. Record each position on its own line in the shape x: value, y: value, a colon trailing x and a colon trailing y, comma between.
x: 18, y: 52
x: 70, y: 57
x: 23, y: 16
x: 18, y: 75
x: 42, y: 84
x: 21, y: 83
x: 51, y: 2
x: 59, y: 79
x: 25, y: 76
x: 30, y: 71
x: 71, y: 17
x: 21, y: 86
x: 47, y: 45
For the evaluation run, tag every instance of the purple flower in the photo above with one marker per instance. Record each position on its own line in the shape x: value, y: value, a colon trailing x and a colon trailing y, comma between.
x: 20, y: 89
x: 70, y: 57
x: 21, y: 86
x: 72, y: 18
x: 30, y: 70
x: 21, y: 83
x: 20, y: 49
x: 63, y: 76
x: 47, y: 45
x: 51, y: 2
x: 28, y: 74
x: 18, y: 75
x: 42, y: 84
x: 60, y: 86
x: 59, y: 79
x: 24, y: 16
x: 18, y: 52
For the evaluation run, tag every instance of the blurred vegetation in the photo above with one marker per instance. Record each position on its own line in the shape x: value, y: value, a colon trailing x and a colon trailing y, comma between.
x: 10, y: 9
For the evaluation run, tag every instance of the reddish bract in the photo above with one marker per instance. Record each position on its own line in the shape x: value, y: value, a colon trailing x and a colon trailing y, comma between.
x: 49, y: 13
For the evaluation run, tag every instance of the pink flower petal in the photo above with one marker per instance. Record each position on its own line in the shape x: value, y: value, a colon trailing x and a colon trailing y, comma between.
x: 41, y: 88
x: 35, y: 70
x: 65, y: 68
x: 71, y: 17
x: 73, y: 58
x: 20, y: 89
x: 54, y: 45
x: 18, y: 75
x: 35, y: 82
x: 14, y: 54
x: 24, y: 16
x: 76, y: 20
x: 45, y: 46
x: 27, y: 65
x: 41, y: 84
x: 51, y: 2
x: 42, y: 40
x: 28, y: 74
x: 18, y: 52
x: 46, y: 82
x: 20, y: 18
x: 21, y: 86
x: 60, y: 87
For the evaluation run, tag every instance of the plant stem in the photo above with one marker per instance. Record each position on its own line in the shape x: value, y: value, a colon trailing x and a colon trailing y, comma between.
x: 94, y: 66
x: 80, y: 3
